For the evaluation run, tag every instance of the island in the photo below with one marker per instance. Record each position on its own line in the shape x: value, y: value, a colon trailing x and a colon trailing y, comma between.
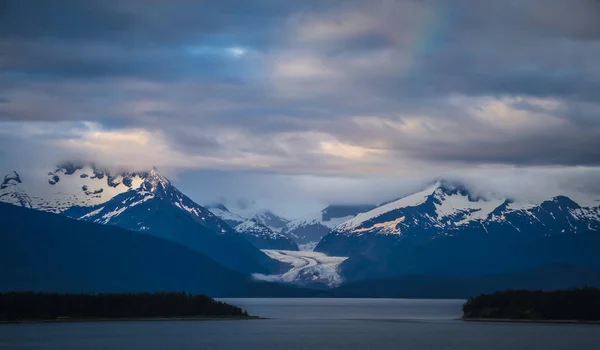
x: 573, y: 305
x: 43, y: 307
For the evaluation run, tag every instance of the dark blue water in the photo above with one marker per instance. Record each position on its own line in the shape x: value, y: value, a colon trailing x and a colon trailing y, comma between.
x: 411, y: 309
x: 310, y: 324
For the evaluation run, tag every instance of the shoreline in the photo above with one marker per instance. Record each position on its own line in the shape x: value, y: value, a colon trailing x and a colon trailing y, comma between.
x: 132, y: 319
x: 509, y: 320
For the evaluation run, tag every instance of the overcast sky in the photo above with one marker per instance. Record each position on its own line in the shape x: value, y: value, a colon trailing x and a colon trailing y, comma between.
x: 295, y: 104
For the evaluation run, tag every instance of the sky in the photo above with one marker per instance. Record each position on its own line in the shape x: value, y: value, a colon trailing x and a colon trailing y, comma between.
x: 293, y: 105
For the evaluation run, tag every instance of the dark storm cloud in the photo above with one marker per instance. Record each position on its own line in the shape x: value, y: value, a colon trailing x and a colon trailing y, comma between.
x: 268, y: 81
x: 134, y: 20
x: 576, y: 148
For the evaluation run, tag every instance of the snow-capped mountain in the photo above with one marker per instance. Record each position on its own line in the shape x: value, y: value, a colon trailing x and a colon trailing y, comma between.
x: 11, y: 191
x: 446, y: 213
x: 60, y: 188
x: 224, y: 214
x: 273, y: 221
x: 146, y: 202
x: 308, y: 230
x: 153, y: 187
x: 447, y: 209
x: 258, y: 234
x: 263, y: 237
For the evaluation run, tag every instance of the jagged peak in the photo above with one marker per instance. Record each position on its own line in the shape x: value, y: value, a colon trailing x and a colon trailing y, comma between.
x: 451, y: 187
x: 13, y: 175
x: 154, y: 181
x: 268, y: 215
x: 11, y: 179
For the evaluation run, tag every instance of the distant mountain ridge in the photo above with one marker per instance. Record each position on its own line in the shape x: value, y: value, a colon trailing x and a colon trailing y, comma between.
x: 422, y: 232
x: 309, y: 229
x: 273, y: 221
x: 146, y: 202
x: 254, y: 231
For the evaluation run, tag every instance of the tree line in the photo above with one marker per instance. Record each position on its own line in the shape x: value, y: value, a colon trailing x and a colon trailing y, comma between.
x: 574, y: 304
x: 47, y: 306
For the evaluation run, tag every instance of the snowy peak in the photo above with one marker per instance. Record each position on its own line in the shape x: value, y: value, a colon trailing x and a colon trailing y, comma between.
x: 308, y: 230
x: 446, y: 208
x: 439, y: 203
x: 256, y: 232
x: 149, y: 194
x: 154, y: 181
x: 74, y: 184
x: 251, y: 227
x: 273, y: 221
x: 458, y: 205
x: 11, y: 179
x: 12, y: 192
x: 224, y: 214
x: 64, y: 186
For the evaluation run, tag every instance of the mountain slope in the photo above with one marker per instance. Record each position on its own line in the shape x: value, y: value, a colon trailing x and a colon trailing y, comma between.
x: 258, y: 234
x: 156, y: 207
x: 445, y: 229
x: 307, y: 231
x: 48, y: 252
x: 144, y: 201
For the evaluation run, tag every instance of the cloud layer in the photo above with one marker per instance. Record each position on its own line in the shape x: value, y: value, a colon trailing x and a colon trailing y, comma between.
x: 367, y: 91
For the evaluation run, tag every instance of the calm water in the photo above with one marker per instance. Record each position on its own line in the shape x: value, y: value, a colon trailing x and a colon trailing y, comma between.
x: 311, y: 324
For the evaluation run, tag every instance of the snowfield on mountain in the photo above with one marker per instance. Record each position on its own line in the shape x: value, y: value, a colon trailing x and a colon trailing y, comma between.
x: 60, y: 188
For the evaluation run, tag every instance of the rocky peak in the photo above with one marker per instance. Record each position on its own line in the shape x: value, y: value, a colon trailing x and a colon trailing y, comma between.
x: 11, y: 179
x: 154, y: 181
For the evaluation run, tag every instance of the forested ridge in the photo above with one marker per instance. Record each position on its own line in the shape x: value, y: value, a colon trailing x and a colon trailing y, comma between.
x: 573, y: 304
x: 49, y: 306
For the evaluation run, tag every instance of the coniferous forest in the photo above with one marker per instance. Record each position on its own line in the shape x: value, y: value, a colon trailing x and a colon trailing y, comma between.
x: 16, y: 306
x: 574, y: 304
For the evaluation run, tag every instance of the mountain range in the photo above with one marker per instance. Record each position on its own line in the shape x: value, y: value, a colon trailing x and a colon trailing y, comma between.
x: 308, y: 230
x: 273, y: 221
x: 259, y: 234
x: 443, y: 235
x: 445, y: 229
